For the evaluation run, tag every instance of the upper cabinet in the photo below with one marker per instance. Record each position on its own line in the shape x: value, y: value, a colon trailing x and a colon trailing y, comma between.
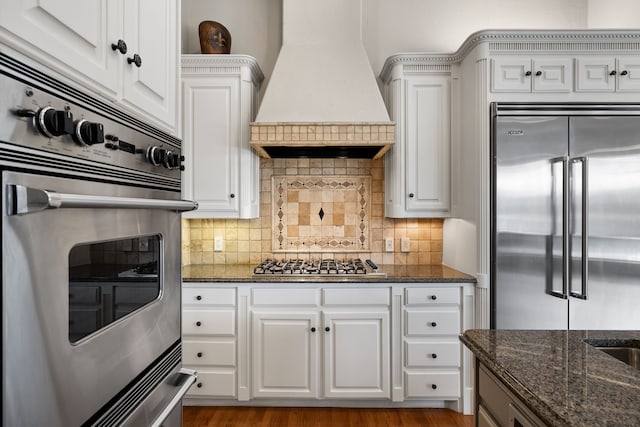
x: 126, y: 51
x: 531, y: 75
x: 418, y: 167
x: 220, y: 99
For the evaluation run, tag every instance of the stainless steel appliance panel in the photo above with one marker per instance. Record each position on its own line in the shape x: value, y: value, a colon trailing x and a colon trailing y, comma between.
x: 47, y: 379
x: 608, y: 297
x: 529, y: 194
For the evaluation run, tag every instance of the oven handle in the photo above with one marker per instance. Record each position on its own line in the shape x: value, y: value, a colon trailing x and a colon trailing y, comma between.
x: 23, y: 200
x: 188, y: 377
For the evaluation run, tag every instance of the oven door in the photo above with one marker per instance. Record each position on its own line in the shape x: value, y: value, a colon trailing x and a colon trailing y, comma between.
x: 79, y: 329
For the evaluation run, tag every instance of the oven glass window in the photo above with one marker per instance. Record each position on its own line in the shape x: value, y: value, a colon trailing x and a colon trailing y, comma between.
x: 110, y: 280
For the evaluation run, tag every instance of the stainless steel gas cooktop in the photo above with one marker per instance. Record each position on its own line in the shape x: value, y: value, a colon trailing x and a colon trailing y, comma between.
x: 326, y: 267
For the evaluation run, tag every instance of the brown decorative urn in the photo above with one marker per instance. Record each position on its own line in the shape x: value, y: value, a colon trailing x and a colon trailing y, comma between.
x: 214, y: 37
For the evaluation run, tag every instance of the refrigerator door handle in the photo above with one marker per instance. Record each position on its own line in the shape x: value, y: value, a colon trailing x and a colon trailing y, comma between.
x: 564, y: 294
x: 584, y: 203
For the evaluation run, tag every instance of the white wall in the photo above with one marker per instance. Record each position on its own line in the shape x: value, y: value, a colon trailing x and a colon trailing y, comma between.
x: 614, y: 14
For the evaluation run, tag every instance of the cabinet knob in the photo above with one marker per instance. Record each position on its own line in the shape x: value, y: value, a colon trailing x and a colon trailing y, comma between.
x: 538, y: 73
x: 137, y: 60
x: 411, y: 195
x: 313, y: 329
x: 199, y: 354
x: 199, y: 385
x: 121, y: 46
x: 327, y: 329
x: 624, y: 72
x: 433, y: 297
x: 198, y: 323
x: 434, y: 356
x: 434, y: 386
x: 434, y: 324
x: 199, y: 297
x: 528, y: 73
x: 232, y: 195
x: 612, y: 73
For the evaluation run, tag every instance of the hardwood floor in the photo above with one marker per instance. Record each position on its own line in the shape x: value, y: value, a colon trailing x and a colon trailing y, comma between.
x: 222, y: 416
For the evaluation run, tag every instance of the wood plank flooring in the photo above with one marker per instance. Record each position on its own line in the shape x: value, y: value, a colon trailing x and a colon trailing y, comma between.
x: 221, y: 416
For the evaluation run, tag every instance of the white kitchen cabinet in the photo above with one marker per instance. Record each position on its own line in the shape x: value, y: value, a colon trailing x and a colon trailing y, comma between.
x: 78, y: 39
x: 220, y: 99
x: 418, y: 167
x: 348, y: 349
x: 607, y: 74
x: 543, y: 74
x: 210, y: 339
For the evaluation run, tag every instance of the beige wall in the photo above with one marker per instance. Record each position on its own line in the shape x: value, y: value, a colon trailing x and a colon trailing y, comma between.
x: 250, y: 241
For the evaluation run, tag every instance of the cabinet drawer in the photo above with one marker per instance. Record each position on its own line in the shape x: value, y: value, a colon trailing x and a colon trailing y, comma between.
x: 433, y: 384
x: 208, y: 296
x: 432, y: 296
x: 209, y: 322
x: 216, y: 384
x: 355, y: 296
x: 432, y: 354
x: 298, y: 297
x: 209, y: 353
x: 431, y: 322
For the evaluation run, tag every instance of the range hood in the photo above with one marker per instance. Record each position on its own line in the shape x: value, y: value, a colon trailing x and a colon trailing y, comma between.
x: 322, y: 99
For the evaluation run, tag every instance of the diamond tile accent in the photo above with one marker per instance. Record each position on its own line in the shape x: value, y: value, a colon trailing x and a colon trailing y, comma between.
x: 327, y: 212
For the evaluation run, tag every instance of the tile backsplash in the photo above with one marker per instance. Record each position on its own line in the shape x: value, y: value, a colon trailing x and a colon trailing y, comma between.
x: 312, y: 208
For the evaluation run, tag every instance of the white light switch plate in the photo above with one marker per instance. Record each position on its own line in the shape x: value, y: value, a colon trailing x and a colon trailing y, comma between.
x: 218, y: 244
x: 405, y: 244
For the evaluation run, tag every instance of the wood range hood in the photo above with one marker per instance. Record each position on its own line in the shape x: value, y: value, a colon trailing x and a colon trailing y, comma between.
x: 322, y: 100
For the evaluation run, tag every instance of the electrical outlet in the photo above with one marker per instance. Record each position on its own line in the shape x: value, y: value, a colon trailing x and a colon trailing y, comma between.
x: 218, y: 244
x: 405, y: 244
x: 388, y: 244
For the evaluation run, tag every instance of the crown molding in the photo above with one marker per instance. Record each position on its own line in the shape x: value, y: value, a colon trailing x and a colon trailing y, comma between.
x: 525, y: 41
x: 220, y: 64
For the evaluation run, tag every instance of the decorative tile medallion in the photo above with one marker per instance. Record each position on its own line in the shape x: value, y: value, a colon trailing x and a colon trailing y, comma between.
x: 321, y: 213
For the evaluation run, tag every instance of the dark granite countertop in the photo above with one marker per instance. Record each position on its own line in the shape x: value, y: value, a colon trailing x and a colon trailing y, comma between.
x: 395, y: 274
x: 563, y: 380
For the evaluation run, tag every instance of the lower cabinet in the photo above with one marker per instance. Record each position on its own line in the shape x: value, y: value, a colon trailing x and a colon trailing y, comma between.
x: 385, y: 344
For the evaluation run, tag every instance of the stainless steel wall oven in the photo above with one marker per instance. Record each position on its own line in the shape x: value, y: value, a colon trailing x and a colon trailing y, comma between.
x: 90, y: 258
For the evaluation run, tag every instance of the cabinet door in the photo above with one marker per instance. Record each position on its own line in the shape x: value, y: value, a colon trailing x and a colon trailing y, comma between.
x: 428, y: 150
x: 551, y: 75
x: 285, y: 354
x: 73, y: 37
x: 211, y: 145
x: 150, y: 30
x: 595, y: 74
x: 628, y: 74
x: 511, y: 75
x: 356, y: 355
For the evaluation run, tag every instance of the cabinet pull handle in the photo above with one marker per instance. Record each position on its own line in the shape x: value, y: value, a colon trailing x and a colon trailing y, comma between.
x: 538, y: 73
x: 434, y: 324
x: 198, y: 323
x: 612, y: 73
x: 232, y: 195
x: 199, y: 354
x: 434, y: 356
x: 434, y: 386
x: 199, y: 297
x: 528, y: 73
x: 624, y: 73
x: 411, y: 195
x: 199, y: 385
x: 433, y: 297
x: 121, y: 46
x: 137, y: 60
x: 313, y: 329
x: 327, y: 329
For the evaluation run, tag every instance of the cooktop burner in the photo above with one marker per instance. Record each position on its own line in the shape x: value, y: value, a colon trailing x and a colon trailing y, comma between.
x: 353, y: 266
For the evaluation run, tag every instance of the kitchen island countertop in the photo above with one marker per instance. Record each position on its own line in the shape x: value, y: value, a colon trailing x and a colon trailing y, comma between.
x: 562, y: 379
x: 395, y: 274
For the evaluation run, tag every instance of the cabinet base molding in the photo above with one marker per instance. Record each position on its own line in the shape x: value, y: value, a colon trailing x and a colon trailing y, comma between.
x: 194, y: 401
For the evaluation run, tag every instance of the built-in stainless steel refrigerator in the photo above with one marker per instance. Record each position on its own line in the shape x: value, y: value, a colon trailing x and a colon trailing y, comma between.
x: 565, y: 249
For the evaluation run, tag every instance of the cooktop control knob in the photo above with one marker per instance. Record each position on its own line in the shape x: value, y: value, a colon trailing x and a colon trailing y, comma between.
x: 174, y: 161
x: 156, y: 155
x: 88, y: 133
x: 51, y: 122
